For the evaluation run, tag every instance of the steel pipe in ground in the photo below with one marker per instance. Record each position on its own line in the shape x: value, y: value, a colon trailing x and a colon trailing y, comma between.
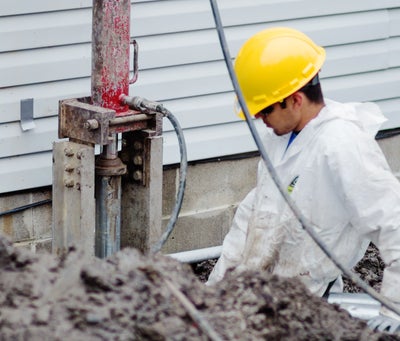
x: 108, y: 213
x: 108, y: 171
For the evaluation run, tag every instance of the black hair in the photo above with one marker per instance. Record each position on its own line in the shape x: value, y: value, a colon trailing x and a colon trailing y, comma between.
x: 313, y: 90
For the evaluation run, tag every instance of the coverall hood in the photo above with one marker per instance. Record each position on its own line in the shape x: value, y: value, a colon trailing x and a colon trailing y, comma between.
x: 367, y: 116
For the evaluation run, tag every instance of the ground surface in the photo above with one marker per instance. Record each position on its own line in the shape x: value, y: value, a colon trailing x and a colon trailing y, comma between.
x: 369, y: 269
x: 133, y: 297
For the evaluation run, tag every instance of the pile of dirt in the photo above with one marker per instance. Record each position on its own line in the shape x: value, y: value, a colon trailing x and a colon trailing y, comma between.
x: 369, y: 269
x: 130, y: 296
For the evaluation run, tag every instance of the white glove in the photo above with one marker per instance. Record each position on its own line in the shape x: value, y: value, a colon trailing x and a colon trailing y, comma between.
x: 386, y: 321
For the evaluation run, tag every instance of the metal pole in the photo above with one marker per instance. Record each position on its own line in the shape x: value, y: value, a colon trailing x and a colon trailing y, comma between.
x: 110, y: 80
x: 110, y: 53
x: 108, y: 201
x: 108, y: 196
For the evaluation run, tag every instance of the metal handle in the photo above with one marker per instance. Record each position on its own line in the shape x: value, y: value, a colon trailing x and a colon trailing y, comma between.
x: 135, y: 61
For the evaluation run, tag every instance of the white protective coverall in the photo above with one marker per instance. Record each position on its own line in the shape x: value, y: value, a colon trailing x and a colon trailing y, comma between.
x: 340, y: 180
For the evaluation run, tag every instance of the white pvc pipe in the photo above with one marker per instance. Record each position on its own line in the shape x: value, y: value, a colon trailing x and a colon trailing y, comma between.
x: 198, y: 255
x: 359, y: 305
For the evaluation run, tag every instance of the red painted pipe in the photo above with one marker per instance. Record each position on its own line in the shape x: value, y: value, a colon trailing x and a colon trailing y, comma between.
x: 110, y: 53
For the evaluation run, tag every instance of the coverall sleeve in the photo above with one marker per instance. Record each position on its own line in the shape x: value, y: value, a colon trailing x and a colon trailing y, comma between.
x: 234, y: 242
x: 372, y: 195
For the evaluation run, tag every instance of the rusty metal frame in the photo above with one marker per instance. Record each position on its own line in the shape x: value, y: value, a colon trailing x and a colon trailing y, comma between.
x: 82, y: 121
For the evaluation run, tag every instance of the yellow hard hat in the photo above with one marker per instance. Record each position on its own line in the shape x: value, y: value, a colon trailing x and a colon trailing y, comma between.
x: 275, y: 63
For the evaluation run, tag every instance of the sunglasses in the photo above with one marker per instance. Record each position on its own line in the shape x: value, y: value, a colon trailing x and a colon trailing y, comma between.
x: 269, y: 110
x: 266, y: 111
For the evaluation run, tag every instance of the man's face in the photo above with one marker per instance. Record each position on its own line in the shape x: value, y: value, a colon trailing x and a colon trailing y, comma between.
x: 283, y: 119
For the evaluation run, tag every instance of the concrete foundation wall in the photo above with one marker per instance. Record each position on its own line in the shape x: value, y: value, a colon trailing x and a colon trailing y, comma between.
x: 30, y: 228
x: 213, y: 190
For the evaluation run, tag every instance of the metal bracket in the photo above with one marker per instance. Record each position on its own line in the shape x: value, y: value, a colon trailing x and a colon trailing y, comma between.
x: 27, y: 122
x: 82, y: 121
x: 136, y: 154
x: 73, y: 197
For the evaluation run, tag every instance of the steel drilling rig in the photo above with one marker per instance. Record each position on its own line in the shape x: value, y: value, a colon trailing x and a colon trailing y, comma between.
x: 114, y: 199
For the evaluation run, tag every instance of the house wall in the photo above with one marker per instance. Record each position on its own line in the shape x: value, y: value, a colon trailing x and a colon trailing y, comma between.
x: 45, y: 55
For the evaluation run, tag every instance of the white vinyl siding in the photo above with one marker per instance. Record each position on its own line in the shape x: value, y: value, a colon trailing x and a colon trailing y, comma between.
x: 45, y: 54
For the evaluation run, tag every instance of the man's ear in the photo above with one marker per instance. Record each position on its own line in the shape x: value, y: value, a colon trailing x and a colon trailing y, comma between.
x: 297, y: 99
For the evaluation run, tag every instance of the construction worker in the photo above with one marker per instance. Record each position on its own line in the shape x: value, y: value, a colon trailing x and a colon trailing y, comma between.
x: 327, y: 158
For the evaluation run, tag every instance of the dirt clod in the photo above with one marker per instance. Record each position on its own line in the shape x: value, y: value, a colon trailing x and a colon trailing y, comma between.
x: 129, y: 296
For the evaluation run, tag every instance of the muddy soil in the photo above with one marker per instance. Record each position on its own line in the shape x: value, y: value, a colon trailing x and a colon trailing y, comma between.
x: 130, y: 296
x: 369, y: 269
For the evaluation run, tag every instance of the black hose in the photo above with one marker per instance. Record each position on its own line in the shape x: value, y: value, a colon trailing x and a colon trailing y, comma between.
x: 300, y: 217
x: 25, y: 207
x: 182, y: 181
x: 151, y: 107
